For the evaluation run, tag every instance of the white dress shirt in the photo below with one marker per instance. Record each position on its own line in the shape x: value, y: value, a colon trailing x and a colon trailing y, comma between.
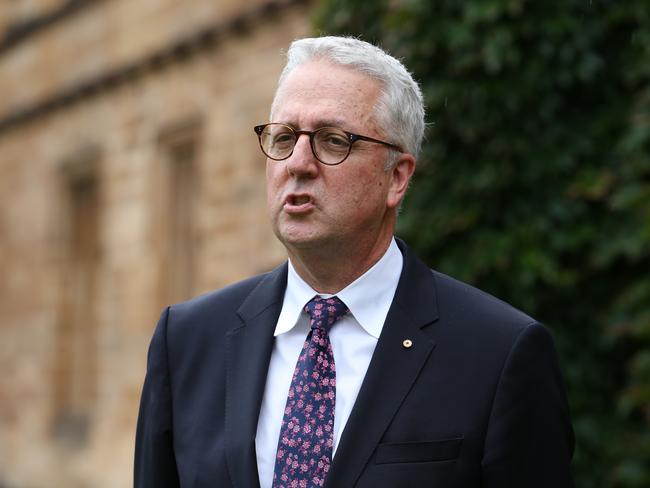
x: 354, y: 338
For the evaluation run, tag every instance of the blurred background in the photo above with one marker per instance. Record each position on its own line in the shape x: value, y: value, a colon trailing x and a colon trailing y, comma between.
x: 130, y: 178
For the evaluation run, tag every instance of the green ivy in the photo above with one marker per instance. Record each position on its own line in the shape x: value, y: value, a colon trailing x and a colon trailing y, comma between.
x: 534, y: 184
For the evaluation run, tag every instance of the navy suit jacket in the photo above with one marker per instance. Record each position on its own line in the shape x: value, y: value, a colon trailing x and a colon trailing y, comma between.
x: 476, y: 401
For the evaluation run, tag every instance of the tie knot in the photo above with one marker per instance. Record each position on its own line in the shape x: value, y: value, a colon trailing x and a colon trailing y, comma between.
x: 325, y: 311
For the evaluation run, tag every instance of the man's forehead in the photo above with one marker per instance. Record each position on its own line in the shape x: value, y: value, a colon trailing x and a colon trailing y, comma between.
x: 319, y: 76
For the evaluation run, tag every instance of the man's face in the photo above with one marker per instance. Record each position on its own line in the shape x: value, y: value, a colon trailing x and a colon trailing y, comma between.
x: 314, y: 206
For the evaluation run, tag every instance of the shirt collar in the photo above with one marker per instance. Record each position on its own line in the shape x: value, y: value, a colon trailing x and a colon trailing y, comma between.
x: 368, y: 297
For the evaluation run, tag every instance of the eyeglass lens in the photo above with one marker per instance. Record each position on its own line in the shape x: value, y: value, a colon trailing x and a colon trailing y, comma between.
x: 330, y: 145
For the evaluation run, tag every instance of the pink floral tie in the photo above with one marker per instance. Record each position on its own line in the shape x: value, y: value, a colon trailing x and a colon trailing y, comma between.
x: 306, y: 438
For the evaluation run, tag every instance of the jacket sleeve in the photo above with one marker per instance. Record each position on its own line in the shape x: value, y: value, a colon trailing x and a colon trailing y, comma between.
x: 155, y: 463
x: 529, y: 440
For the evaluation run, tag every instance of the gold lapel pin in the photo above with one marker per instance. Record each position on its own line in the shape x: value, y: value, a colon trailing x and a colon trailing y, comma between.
x: 407, y: 343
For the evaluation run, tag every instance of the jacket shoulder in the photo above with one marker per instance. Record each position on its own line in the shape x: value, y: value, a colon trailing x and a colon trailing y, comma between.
x: 221, y: 306
x: 466, y: 304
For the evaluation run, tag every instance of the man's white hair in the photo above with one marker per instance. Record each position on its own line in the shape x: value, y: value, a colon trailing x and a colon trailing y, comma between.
x: 400, y: 108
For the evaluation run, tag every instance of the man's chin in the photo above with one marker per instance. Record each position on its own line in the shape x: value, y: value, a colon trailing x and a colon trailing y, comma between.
x: 302, y: 241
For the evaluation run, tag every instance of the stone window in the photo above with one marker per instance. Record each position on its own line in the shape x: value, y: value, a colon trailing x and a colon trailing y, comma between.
x: 179, y: 149
x: 75, y: 354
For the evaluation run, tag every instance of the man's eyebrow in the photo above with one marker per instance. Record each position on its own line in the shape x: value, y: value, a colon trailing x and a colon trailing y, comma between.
x: 330, y: 123
x: 338, y: 123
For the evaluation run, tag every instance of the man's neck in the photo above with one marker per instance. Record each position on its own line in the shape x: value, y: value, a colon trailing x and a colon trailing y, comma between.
x: 333, y: 270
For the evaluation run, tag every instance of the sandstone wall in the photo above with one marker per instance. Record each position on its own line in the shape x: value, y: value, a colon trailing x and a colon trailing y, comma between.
x: 93, y: 193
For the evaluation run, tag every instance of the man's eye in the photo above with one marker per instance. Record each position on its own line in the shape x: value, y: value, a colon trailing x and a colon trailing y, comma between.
x: 283, y: 139
x: 334, y: 141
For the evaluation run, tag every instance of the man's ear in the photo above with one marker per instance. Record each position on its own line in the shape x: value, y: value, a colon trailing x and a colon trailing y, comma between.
x: 400, y: 177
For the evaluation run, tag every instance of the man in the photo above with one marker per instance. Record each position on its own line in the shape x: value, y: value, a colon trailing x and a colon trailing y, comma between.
x: 352, y: 365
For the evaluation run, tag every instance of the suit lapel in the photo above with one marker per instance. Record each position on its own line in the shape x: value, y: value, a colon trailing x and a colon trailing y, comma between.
x: 392, y: 370
x: 248, y: 351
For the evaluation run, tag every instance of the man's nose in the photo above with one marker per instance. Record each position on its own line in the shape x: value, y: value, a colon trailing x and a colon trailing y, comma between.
x: 302, y: 160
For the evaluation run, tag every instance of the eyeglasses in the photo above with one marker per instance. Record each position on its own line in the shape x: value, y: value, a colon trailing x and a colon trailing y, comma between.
x: 330, y: 145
